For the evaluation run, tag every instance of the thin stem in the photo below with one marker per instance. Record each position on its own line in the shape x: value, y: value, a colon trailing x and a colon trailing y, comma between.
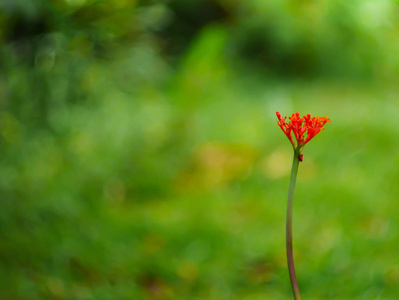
x: 290, y: 256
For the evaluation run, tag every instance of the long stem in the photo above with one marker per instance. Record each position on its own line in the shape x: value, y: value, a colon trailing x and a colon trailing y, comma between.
x: 290, y: 256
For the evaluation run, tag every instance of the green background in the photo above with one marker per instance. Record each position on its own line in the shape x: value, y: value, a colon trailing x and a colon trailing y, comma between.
x: 140, y: 156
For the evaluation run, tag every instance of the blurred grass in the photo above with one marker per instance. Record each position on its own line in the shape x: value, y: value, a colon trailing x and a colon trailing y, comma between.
x: 140, y: 157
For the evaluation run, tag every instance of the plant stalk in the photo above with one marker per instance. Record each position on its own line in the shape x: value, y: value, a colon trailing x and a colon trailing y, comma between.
x: 290, y: 256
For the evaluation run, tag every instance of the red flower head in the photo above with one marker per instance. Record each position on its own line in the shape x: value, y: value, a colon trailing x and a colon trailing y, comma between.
x: 304, y: 128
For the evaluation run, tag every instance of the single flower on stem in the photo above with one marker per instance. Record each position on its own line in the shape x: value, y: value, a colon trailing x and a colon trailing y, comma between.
x: 303, y: 129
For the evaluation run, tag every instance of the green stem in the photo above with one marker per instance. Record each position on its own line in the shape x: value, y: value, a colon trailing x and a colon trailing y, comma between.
x: 290, y: 256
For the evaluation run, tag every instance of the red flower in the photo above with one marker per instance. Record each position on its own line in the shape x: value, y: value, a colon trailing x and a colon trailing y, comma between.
x: 304, y: 128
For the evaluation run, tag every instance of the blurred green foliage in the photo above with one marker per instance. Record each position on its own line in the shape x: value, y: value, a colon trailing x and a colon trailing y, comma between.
x: 140, y: 156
